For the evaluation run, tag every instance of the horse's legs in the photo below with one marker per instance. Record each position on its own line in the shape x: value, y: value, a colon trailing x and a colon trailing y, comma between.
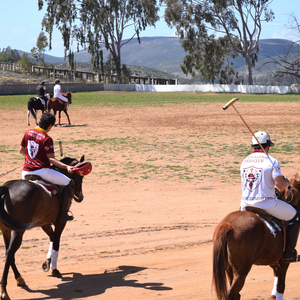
x: 12, y: 243
x: 52, y: 255
x: 59, y: 116
x: 67, y: 116
x: 229, y: 272
x: 279, y: 271
x: 28, y: 114
x: 239, y: 277
x: 6, y: 238
x: 49, y: 231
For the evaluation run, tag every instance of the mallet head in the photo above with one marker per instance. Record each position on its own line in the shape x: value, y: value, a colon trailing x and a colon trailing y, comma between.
x: 231, y: 102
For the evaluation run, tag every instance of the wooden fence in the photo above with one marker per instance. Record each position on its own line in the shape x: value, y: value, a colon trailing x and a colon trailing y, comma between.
x: 90, y: 76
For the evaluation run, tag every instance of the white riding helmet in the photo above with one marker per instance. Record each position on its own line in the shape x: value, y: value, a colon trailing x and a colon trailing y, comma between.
x: 263, y: 138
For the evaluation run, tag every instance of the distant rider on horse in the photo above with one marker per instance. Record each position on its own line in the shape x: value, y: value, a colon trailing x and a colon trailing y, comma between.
x: 41, y: 89
x: 260, y: 175
x: 59, y: 94
x: 38, y: 150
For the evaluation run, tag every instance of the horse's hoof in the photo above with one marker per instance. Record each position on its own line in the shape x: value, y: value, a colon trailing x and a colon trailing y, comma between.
x: 20, y: 281
x: 3, y: 294
x: 56, y: 273
x: 46, y: 265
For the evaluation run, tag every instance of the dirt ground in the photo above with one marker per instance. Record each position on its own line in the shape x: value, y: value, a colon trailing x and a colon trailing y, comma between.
x: 162, y: 179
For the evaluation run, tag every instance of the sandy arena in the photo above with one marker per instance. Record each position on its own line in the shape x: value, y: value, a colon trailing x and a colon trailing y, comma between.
x: 162, y: 179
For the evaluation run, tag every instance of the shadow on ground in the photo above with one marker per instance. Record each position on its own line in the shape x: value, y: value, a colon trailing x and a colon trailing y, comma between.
x: 77, y: 285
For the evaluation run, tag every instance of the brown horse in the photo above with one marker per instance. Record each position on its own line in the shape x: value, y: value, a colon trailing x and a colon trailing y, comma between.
x: 242, y: 239
x: 24, y: 205
x: 57, y: 105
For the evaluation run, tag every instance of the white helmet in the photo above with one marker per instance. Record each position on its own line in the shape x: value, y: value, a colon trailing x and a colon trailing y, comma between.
x: 263, y: 138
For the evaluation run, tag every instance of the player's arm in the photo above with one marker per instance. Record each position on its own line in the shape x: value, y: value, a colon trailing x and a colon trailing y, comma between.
x: 22, y: 151
x: 281, y: 183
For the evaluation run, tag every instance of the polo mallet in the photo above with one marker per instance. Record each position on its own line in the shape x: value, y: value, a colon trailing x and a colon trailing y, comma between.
x: 230, y: 103
x: 6, y: 172
x: 60, y: 148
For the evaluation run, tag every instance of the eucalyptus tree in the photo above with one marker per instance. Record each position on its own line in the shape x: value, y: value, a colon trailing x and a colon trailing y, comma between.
x: 239, y: 20
x: 25, y: 62
x: 209, y: 58
x: 288, y: 63
x: 41, y: 45
x: 96, y: 24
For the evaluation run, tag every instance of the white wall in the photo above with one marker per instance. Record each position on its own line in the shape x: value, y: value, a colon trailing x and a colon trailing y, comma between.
x: 217, y: 88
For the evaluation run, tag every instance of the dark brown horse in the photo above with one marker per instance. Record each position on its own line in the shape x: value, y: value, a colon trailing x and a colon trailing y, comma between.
x: 28, y: 205
x: 57, y: 105
x: 242, y: 239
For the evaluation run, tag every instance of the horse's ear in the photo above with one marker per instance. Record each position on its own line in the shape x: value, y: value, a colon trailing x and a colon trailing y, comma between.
x: 82, y: 158
x: 297, y: 177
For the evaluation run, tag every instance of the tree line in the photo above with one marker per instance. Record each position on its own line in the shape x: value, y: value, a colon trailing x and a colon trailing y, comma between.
x: 98, y: 24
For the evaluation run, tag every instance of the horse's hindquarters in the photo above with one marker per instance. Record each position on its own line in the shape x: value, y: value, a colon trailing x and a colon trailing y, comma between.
x: 29, y: 203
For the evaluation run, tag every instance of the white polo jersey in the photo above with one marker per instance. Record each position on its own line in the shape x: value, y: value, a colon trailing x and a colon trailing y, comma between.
x: 257, y: 173
x: 56, y: 91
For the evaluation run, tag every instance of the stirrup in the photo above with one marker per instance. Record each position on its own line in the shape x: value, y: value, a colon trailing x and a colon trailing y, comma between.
x: 66, y: 218
x: 292, y: 258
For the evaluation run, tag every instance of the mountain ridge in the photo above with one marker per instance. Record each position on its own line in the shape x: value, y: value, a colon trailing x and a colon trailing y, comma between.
x: 166, y: 54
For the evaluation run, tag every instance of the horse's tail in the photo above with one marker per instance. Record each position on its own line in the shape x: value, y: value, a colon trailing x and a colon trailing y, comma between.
x: 220, y: 260
x: 5, y: 217
x: 30, y: 107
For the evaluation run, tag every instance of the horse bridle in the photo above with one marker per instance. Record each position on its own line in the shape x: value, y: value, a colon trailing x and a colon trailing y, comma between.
x: 289, y: 191
x: 280, y: 196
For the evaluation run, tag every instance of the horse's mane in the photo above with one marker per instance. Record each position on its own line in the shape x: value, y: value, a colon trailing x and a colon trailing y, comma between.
x: 69, y: 161
x: 295, y: 181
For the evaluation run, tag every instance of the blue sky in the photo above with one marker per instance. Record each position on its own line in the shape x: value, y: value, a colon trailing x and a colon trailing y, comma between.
x: 20, y: 23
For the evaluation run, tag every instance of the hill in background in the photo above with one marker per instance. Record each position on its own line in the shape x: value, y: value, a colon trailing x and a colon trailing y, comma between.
x: 166, y: 54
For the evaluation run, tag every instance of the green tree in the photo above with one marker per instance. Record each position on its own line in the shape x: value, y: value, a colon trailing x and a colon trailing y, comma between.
x: 238, y: 20
x: 208, y: 58
x: 9, y: 55
x: 99, y: 23
x: 38, y: 52
x: 25, y: 62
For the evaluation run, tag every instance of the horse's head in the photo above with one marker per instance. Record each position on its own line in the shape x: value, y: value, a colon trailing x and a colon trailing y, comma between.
x: 68, y: 95
x: 291, y: 194
x: 78, y: 195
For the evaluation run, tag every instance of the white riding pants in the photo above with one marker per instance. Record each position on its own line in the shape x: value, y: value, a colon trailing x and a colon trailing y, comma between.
x: 63, y: 98
x: 278, y: 208
x: 50, y: 175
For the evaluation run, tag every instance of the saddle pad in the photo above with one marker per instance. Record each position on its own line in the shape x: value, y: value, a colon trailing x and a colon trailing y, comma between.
x: 50, y: 189
x: 273, y: 224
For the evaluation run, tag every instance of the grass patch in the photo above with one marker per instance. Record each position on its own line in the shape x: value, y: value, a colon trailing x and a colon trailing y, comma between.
x: 123, y: 98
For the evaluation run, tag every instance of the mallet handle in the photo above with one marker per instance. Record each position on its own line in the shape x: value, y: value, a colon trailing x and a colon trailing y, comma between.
x: 60, y: 148
x: 6, y: 172
x: 261, y: 147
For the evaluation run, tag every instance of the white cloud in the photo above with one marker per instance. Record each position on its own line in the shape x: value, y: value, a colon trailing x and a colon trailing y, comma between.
x: 285, y: 33
x: 18, y: 31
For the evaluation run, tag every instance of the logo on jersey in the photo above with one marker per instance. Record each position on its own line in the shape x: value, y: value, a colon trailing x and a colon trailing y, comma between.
x: 252, y: 177
x: 32, y: 148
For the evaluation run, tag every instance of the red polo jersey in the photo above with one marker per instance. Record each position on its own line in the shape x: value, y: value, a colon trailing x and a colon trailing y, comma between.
x: 38, y: 144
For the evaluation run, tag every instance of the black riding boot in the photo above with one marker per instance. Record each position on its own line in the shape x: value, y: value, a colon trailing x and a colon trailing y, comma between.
x: 67, y: 195
x: 290, y: 254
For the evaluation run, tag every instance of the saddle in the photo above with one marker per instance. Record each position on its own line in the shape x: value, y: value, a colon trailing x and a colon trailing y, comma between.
x: 53, y: 189
x: 39, y: 98
x: 271, y: 222
x: 65, y: 104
